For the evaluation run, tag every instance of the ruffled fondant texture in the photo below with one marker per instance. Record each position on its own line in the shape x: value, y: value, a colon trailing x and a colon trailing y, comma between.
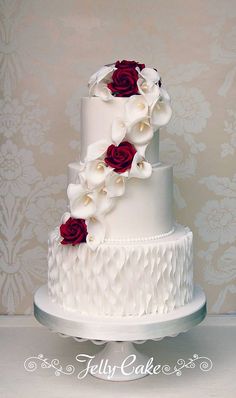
x: 122, y: 279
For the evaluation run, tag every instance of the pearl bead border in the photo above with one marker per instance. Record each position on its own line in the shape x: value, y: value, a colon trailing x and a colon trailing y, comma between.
x: 143, y: 239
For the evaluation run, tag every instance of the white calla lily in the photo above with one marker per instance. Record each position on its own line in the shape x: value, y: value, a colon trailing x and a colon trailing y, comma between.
x: 96, y: 172
x: 102, y: 91
x: 149, y: 90
x: 140, y: 168
x: 115, y: 185
x: 104, y: 72
x: 141, y: 149
x: 104, y: 203
x: 96, y: 232
x: 140, y: 132
x: 150, y: 75
x: 65, y: 217
x: 82, y: 203
x: 136, y: 108
x: 164, y: 95
x: 118, y: 130
x: 82, y: 180
x: 96, y: 150
x: 160, y: 113
x: 98, y: 82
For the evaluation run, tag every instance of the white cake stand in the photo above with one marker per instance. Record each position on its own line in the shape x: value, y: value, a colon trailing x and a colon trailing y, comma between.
x: 119, y: 333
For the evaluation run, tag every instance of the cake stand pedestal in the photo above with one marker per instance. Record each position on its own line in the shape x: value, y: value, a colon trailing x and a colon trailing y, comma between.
x: 118, y: 333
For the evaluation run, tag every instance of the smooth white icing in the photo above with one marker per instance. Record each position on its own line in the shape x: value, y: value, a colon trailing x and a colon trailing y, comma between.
x: 96, y: 123
x: 122, y: 279
x: 145, y: 209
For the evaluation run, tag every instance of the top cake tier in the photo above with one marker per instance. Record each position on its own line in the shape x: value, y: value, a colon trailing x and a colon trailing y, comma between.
x: 97, y: 118
x: 127, y: 102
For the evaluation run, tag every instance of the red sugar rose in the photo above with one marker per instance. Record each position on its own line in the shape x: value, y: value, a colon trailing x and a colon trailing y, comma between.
x: 74, y: 231
x: 128, y: 64
x: 124, y: 78
x: 120, y: 157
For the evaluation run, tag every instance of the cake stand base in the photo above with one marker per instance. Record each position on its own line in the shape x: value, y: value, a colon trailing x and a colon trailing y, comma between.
x: 115, y: 353
x: 119, y: 332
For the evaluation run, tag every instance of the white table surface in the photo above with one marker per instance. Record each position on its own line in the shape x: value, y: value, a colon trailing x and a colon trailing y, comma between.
x: 22, y: 337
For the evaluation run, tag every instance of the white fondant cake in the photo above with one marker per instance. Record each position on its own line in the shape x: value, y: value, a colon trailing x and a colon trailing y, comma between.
x: 118, y: 251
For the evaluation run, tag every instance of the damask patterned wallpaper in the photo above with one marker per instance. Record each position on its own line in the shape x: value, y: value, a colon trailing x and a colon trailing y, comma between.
x: 48, y: 51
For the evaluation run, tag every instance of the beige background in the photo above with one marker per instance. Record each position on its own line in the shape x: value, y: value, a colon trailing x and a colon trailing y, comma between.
x: 48, y: 51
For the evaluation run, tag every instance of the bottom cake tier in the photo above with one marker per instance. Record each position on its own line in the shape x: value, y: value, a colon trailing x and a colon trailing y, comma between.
x: 152, y: 275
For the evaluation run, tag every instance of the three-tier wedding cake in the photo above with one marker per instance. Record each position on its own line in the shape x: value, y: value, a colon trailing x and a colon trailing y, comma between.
x: 118, y: 251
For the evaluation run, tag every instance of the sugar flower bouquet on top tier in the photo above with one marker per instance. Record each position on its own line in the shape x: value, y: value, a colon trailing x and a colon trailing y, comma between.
x: 110, y: 163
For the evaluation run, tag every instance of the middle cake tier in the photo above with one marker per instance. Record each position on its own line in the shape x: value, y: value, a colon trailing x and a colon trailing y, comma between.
x: 145, y: 209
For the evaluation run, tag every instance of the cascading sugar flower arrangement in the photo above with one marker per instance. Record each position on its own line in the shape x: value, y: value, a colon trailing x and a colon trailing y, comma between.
x: 110, y: 163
